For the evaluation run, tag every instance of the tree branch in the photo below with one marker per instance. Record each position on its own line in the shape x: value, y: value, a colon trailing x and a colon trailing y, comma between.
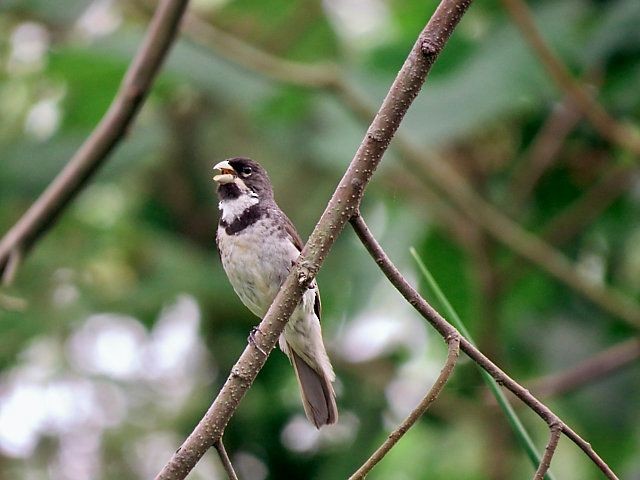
x: 429, y: 168
x: 570, y: 221
x: 522, y: 242
x: 344, y: 202
x: 112, y: 128
x: 621, y: 134
x: 224, y: 458
x: 543, y: 151
x: 576, y: 216
x: 445, y: 330
x: 11, y: 269
x: 590, y: 370
x: 394, y: 437
x: 555, y: 430
x: 229, y: 47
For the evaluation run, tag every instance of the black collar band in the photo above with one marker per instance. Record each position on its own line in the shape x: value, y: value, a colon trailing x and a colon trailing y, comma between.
x: 250, y: 216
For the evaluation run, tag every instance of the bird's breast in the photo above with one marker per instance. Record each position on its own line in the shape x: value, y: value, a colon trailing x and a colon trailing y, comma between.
x: 257, y: 261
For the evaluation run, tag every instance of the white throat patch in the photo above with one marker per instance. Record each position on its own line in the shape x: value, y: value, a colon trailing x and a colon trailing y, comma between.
x: 233, y: 208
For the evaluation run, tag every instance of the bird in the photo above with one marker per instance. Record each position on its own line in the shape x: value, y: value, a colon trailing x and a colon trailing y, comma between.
x: 258, y: 245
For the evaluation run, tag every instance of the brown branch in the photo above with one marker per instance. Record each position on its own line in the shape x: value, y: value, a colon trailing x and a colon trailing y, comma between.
x: 224, y: 458
x: 110, y: 131
x: 11, y: 269
x: 570, y: 221
x: 395, y: 436
x: 574, y: 218
x: 525, y: 244
x: 555, y: 430
x: 620, y: 134
x: 543, y: 151
x: 344, y: 202
x: 432, y: 170
x: 241, y: 53
x: 591, y: 370
x: 445, y: 330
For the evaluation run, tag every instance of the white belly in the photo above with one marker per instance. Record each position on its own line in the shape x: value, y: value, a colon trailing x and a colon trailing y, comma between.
x: 257, y: 261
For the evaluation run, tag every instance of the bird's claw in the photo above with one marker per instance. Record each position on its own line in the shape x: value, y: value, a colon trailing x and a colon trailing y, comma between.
x: 252, y: 340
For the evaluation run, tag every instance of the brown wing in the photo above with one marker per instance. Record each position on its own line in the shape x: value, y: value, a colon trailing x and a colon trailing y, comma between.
x: 292, y: 232
x: 297, y: 241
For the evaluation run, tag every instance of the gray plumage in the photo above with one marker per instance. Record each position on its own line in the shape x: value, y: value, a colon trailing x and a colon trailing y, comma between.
x: 258, y: 245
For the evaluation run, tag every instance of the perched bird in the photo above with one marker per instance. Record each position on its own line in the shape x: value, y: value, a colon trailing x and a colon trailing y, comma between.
x: 258, y: 244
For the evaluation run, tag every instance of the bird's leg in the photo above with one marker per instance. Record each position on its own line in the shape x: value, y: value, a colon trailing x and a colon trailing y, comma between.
x: 252, y: 340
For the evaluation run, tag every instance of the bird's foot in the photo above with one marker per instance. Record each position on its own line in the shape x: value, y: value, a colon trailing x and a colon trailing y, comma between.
x: 302, y: 277
x: 252, y: 340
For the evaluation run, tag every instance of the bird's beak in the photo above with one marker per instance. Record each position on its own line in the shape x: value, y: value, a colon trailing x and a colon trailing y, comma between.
x: 227, y: 173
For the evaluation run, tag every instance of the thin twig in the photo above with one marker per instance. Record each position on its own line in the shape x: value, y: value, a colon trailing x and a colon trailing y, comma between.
x: 570, y: 221
x: 412, y: 418
x: 344, y: 202
x: 555, y: 430
x: 516, y: 424
x: 574, y: 218
x: 425, y: 165
x: 620, y: 134
x: 445, y: 329
x: 241, y: 53
x: 11, y: 269
x: 224, y: 458
x: 526, y: 244
x: 45, y: 211
x: 589, y: 371
x: 543, y: 151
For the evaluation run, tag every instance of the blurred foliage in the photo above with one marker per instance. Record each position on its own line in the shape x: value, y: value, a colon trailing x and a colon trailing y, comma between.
x: 121, y: 326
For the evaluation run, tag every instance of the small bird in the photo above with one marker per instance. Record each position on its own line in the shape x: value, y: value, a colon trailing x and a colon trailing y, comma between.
x: 258, y: 245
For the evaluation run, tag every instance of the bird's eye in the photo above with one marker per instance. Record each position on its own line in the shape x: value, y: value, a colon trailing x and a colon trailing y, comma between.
x: 246, y: 171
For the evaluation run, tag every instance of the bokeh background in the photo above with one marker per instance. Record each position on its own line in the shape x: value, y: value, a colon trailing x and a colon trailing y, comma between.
x: 120, y: 326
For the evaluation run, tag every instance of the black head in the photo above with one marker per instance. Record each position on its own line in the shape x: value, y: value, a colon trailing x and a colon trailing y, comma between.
x: 241, y: 176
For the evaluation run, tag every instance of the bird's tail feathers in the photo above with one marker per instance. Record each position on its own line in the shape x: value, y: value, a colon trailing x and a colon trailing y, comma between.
x: 318, y: 396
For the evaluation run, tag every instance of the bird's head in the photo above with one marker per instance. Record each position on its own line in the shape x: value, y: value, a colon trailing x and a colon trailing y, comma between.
x: 242, y: 176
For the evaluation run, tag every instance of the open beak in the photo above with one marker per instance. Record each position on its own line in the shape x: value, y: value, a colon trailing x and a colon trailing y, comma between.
x: 227, y: 173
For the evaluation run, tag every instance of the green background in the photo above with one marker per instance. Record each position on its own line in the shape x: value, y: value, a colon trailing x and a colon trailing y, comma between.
x: 121, y: 326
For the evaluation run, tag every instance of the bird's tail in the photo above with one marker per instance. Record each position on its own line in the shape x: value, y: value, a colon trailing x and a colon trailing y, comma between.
x: 318, y: 397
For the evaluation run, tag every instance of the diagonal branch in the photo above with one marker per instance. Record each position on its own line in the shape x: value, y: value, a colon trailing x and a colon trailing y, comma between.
x: 253, y: 59
x: 620, y: 134
x: 426, y: 166
x: 445, y: 330
x: 224, y: 458
x: 11, y: 269
x: 555, y: 430
x: 110, y: 131
x: 600, y: 366
x: 394, y: 437
x: 575, y: 217
x: 543, y: 151
x: 526, y: 244
x: 344, y: 202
